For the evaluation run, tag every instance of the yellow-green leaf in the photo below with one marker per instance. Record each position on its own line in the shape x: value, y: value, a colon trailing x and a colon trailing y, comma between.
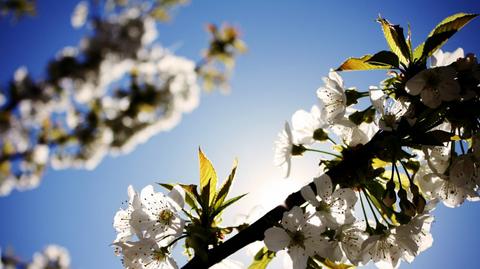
x: 218, y: 210
x: 329, y: 264
x: 262, y: 259
x: 225, y: 188
x: 362, y: 64
x: 208, y: 177
x: 441, y: 33
x: 396, y: 40
x: 377, y: 163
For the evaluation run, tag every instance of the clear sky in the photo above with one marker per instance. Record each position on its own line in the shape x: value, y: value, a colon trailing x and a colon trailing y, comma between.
x: 292, y: 44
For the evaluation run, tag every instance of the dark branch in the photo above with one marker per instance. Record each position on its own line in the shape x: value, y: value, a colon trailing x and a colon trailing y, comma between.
x: 344, y: 171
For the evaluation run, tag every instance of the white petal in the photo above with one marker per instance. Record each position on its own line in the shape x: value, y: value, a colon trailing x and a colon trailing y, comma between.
x: 121, y: 223
x: 294, y: 219
x: 309, y: 195
x: 416, y: 84
x: 377, y: 97
x: 299, y: 257
x: 437, y: 58
x: 324, y: 187
x: 276, y: 239
x: 304, y: 125
x: 177, y: 195
x: 431, y: 97
x: 452, y: 195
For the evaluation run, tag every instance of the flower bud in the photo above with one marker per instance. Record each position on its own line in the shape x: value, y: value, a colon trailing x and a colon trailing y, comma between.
x: 414, y: 189
x: 298, y: 150
x: 419, y: 203
x: 320, y: 135
x: 389, y: 197
x: 402, y: 194
x: 407, y: 208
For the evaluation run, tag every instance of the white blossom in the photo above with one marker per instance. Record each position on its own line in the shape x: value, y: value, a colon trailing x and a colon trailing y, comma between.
x: 335, y: 207
x: 40, y: 154
x: 283, y: 150
x: 434, y: 86
x: 383, y: 250
x: 3, y: 100
x: 158, y: 217
x: 20, y: 74
x: 441, y: 58
x: 389, y: 110
x: 452, y: 188
x: 79, y: 15
x: 145, y: 254
x: 462, y: 170
x: 305, y: 124
x: 346, y: 247
x: 403, y: 242
x: 121, y: 221
x: 117, y: 132
x: 52, y: 256
x: 352, y: 134
x: 300, y: 234
x: 332, y: 97
x: 415, y: 236
x: 7, y: 184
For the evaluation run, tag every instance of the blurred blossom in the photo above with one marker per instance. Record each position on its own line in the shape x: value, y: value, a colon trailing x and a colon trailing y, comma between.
x: 79, y: 15
x: 111, y: 93
x: 52, y: 257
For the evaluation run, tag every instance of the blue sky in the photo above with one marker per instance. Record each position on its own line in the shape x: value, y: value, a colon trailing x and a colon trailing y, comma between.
x: 292, y: 44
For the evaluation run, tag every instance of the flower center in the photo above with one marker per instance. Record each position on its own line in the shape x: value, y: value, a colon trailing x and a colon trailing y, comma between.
x: 432, y: 80
x: 323, y: 207
x: 158, y: 255
x: 297, y: 239
x: 165, y: 217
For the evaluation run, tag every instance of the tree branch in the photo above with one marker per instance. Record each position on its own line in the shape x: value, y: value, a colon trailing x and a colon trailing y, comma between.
x: 344, y: 171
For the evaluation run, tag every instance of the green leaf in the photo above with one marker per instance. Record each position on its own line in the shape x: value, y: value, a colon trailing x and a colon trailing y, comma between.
x: 363, y: 63
x: 440, y: 34
x: 189, y: 193
x: 223, y: 192
x: 205, y: 197
x: 384, y: 57
x: 262, y: 259
x: 229, y: 202
x: 396, y: 40
x: 208, y: 176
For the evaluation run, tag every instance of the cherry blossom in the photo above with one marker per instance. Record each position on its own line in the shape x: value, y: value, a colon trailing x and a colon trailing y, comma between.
x: 335, y: 207
x: 300, y: 234
x: 332, y: 97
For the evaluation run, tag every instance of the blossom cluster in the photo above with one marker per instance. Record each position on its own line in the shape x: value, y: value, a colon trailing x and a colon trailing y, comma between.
x: 148, y: 227
x: 52, y: 257
x: 113, y: 91
x: 440, y: 165
x: 152, y: 223
x: 84, y: 111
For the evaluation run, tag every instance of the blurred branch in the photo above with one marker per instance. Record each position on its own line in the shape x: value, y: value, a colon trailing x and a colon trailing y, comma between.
x: 17, y: 8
